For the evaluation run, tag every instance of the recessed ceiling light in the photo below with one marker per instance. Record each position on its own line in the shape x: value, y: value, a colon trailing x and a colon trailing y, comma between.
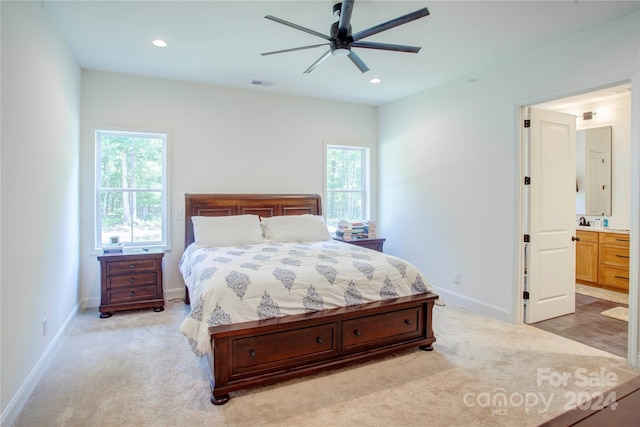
x: 159, y: 43
x: 375, y: 81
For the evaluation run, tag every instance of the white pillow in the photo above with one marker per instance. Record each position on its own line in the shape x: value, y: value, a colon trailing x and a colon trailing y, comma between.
x: 296, y: 228
x: 233, y: 230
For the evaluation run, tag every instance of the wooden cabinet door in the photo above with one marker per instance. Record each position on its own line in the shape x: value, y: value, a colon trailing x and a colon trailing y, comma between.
x: 587, y: 261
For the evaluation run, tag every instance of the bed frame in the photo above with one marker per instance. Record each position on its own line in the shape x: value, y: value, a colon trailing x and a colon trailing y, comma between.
x: 262, y: 352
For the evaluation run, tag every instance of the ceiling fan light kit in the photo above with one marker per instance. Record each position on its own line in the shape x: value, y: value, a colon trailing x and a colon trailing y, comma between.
x: 341, y: 39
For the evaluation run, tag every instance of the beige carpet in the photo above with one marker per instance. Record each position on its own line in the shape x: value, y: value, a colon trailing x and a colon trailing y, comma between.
x: 136, y: 369
x: 618, y: 313
x: 605, y: 294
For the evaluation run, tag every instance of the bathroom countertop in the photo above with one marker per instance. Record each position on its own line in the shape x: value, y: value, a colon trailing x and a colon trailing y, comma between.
x: 602, y: 229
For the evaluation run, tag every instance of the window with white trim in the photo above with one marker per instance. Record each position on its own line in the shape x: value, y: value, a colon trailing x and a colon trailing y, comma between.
x: 347, y: 175
x: 131, y: 188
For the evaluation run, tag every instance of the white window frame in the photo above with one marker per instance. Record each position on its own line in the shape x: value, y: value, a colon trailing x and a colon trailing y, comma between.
x: 164, y: 190
x: 365, y: 178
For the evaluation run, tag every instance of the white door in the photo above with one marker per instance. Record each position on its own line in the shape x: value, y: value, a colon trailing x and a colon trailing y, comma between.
x: 595, y: 183
x: 552, y: 215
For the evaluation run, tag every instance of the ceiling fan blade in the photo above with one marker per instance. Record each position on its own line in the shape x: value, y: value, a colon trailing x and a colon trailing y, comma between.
x: 298, y: 27
x: 391, y: 24
x: 345, y: 19
x: 318, y: 62
x: 359, y: 62
x: 293, y: 49
x: 387, y: 46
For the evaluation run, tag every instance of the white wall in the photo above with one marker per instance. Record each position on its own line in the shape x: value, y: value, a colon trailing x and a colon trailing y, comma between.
x: 221, y: 141
x: 40, y: 175
x: 449, y: 162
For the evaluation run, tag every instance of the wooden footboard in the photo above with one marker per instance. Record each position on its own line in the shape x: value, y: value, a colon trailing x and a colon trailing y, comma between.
x: 268, y: 351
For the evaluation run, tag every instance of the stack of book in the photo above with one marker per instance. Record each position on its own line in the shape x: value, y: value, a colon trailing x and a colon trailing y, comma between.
x: 358, y: 230
x: 112, y: 249
x: 370, y: 227
x: 343, y: 234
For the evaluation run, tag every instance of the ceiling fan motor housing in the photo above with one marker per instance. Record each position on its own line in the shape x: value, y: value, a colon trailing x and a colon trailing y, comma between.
x: 340, y: 47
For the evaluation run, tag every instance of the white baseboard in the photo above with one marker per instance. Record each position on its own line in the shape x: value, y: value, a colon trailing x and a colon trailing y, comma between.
x: 18, y: 401
x: 174, y: 293
x: 477, y: 306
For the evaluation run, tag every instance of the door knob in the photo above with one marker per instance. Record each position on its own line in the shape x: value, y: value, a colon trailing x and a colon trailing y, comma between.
x: 575, y: 239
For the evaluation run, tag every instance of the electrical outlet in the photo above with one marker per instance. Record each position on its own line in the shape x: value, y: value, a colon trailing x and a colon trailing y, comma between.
x: 45, y: 327
x: 456, y: 278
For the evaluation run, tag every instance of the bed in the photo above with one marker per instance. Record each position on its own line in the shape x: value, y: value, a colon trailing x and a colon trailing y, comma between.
x: 261, y: 315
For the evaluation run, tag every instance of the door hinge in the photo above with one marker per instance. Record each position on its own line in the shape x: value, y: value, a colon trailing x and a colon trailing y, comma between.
x: 526, y: 238
x: 525, y: 294
x: 527, y: 123
x: 527, y: 180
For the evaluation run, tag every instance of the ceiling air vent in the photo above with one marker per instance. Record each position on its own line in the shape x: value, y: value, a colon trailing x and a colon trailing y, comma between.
x: 261, y: 83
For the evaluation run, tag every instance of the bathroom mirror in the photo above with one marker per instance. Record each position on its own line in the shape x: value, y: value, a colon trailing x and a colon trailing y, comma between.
x: 593, y: 171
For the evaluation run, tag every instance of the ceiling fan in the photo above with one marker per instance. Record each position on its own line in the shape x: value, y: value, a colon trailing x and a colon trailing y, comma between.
x: 341, y: 41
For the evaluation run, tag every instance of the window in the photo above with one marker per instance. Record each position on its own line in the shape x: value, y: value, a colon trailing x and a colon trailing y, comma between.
x: 347, y: 177
x: 131, y: 196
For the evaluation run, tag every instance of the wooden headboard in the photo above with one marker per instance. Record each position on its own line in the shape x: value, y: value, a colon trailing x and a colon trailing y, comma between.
x: 264, y: 205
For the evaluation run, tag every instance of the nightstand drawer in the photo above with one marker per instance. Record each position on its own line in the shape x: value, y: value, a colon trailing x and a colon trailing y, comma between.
x: 139, y: 293
x: 117, y: 267
x: 130, y: 280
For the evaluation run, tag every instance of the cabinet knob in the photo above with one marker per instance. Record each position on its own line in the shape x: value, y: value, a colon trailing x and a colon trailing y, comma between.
x: 133, y: 279
x: 133, y: 293
x: 357, y: 333
x: 319, y: 340
x: 252, y: 353
x: 407, y: 321
x: 132, y: 266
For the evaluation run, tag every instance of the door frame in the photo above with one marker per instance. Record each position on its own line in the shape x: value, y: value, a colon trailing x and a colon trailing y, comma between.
x: 633, y: 356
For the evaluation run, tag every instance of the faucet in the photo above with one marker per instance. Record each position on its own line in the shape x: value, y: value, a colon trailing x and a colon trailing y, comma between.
x: 584, y: 222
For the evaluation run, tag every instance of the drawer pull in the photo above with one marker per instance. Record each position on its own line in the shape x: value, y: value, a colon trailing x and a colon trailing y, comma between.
x: 252, y: 353
x: 133, y: 293
x: 319, y: 340
x: 133, y: 279
x: 132, y: 266
x: 621, y: 277
x: 357, y: 333
x: 622, y: 256
x: 407, y: 321
x: 622, y: 240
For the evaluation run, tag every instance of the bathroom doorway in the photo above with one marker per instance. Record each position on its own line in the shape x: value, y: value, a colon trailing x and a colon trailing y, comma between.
x: 610, y: 106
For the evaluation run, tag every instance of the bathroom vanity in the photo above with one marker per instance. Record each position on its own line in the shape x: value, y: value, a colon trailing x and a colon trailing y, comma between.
x: 602, y: 258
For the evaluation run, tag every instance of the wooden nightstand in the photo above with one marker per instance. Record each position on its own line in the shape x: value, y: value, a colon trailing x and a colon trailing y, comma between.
x: 375, y: 244
x: 131, y: 281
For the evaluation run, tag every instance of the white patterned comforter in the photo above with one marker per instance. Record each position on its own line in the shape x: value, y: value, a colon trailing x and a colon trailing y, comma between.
x: 244, y: 283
